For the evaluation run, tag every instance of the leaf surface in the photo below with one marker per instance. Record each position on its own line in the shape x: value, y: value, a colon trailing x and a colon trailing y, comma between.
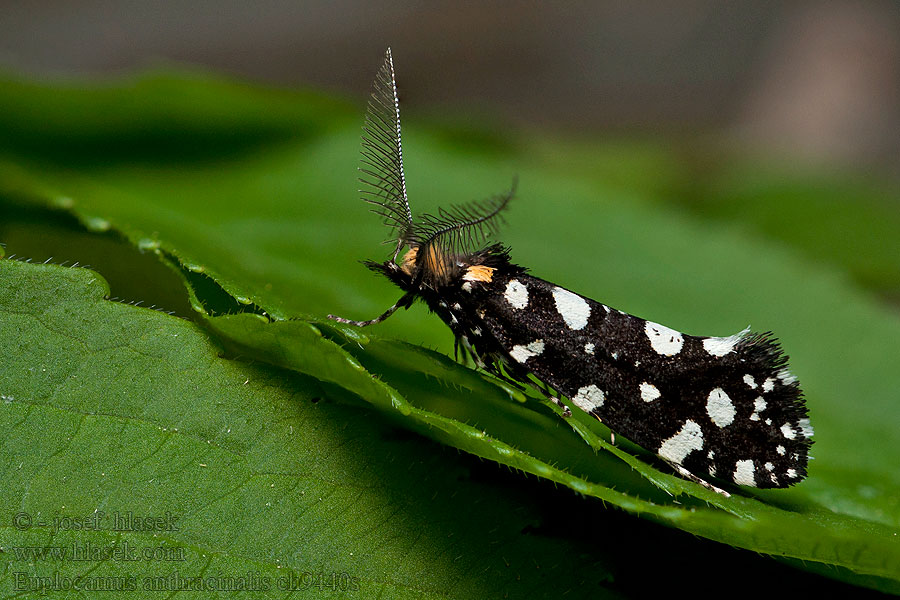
x: 111, y: 413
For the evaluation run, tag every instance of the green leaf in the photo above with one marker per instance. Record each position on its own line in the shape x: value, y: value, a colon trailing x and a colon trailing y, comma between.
x: 277, y: 225
x: 123, y: 410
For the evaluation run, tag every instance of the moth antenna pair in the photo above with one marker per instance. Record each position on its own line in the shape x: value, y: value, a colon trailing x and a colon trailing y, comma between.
x: 453, y: 231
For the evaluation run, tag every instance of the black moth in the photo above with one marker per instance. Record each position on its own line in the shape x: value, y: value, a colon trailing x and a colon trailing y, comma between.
x: 726, y: 407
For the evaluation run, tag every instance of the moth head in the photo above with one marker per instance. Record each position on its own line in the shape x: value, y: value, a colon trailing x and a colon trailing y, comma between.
x: 421, y: 266
x: 441, y: 247
x: 402, y: 274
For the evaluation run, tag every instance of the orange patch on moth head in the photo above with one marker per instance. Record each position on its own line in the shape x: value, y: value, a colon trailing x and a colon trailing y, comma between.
x: 434, y: 261
x: 409, y: 261
x: 479, y: 273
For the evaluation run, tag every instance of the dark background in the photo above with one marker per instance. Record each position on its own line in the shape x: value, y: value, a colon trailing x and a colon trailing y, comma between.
x: 812, y: 82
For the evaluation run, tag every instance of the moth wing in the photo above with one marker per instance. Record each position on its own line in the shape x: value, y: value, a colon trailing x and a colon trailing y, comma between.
x: 725, y: 407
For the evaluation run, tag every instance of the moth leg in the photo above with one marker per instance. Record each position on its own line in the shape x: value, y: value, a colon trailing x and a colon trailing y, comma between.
x: 405, y: 301
x: 494, y: 369
x: 688, y: 475
x: 545, y: 391
x: 521, y: 382
x: 567, y: 412
x: 462, y: 346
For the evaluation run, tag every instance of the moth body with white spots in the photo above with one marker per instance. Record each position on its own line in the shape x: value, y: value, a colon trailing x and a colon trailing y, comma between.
x: 724, y: 407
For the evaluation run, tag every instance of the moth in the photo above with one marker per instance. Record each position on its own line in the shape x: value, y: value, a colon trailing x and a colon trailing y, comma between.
x: 712, y: 407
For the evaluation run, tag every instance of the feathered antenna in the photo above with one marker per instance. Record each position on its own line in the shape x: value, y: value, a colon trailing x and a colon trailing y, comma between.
x: 382, y: 156
x: 459, y: 230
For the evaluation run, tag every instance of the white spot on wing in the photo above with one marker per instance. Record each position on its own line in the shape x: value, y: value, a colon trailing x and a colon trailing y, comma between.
x: 573, y: 308
x: 467, y: 286
x: 788, y: 431
x: 663, y: 340
x: 780, y: 450
x: 588, y: 398
x: 719, y: 407
x: 751, y: 383
x: 649, y: 393
x: 769, y: 466
x: 589, y: 348
x: 791, y: 473
x: 720, y: 346
x: 688, y: 439
x: 516, y: 294
x: 743, y: 472
x: 759, y: 405
x: 768, y: 385
x: 523, y: 353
